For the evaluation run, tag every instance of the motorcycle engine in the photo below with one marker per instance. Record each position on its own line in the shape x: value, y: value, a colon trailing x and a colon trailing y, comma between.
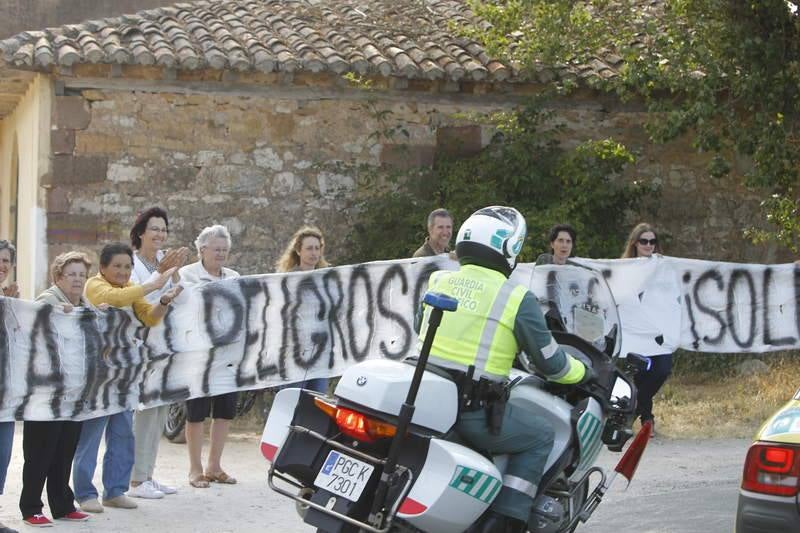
x: 547, y: 515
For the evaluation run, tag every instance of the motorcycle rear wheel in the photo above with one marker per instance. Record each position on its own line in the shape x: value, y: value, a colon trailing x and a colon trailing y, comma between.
x: 176, y: 421
x: 246, y: 401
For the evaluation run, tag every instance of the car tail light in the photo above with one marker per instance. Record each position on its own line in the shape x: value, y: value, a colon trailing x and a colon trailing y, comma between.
x: 772, y: 469
x: 355, y: 424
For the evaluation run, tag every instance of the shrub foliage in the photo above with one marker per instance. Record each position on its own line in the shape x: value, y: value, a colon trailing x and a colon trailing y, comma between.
x: 526, y: 167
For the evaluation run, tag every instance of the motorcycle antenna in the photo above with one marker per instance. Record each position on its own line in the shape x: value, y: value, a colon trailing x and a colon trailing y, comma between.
x: 439, y: 303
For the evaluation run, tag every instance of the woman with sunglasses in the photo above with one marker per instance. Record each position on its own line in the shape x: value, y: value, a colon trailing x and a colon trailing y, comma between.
x: 643, y: 242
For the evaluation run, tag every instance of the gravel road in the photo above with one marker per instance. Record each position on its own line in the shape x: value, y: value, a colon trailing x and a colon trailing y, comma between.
x: 681, y: 486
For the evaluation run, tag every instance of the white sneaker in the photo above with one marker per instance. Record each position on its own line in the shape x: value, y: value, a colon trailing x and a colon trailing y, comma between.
x: 120, y: 502
x: 166, y: 489
x: 146, y: 490
x: 92, y: 505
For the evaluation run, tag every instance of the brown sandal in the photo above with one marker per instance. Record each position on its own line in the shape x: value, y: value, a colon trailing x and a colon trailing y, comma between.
x: 221, y: 477
x: 199, y: 481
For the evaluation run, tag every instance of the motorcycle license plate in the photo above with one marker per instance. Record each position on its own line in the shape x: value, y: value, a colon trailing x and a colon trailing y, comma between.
x: 344, y: 476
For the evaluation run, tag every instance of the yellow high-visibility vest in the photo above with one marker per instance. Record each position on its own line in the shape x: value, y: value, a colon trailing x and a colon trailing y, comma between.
x: 481, y: 331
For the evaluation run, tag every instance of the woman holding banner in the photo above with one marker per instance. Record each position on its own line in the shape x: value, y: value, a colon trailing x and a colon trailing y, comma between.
x: 148, y: 237
x: 305, y: 252
x: 562, y: 239
x: 8, y: 258
x: 643, y: 242
x: 49, y: 447
x: 112, y: 286
x: 213, y: 246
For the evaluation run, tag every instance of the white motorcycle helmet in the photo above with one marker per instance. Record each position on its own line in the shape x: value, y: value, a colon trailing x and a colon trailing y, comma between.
x: 492, y: 233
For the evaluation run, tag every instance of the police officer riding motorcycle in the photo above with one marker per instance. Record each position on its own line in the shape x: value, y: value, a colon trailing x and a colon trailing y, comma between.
x: 477, y: 344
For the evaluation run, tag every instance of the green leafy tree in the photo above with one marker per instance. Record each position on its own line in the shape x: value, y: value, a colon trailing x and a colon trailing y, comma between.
x: 388, y: 222
x: 726, y: 72
x: 525, y: 167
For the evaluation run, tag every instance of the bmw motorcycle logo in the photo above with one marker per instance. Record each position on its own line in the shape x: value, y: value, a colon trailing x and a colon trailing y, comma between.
x: 361, y: 381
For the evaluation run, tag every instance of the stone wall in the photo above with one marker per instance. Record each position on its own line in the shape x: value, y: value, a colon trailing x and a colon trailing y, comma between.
x: 263, y: 165
x: 20, y: 15
x: 702, y: 217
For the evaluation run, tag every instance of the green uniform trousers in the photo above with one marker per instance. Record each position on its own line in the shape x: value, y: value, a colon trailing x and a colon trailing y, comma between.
x: 528, y: 439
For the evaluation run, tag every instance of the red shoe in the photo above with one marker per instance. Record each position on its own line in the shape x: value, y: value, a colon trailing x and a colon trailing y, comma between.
x: 38, y: 520
x: 74, y: 516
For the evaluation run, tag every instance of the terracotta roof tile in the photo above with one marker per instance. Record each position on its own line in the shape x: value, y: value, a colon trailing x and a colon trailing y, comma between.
x: 405, y: 38
x: 43, y: 51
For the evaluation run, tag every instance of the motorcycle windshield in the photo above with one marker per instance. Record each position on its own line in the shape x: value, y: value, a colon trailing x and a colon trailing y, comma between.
x: 577, y: 299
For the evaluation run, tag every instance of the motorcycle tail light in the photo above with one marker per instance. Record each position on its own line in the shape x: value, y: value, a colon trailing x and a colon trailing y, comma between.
x: 326, y: 407
x: 772, y: 469
x: 355, y: 424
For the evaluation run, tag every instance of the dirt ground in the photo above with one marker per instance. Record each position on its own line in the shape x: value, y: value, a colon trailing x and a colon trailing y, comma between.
x: 678, y: 482
x: 680, y: 478
x: 706, y: 406
x: 247, y: 506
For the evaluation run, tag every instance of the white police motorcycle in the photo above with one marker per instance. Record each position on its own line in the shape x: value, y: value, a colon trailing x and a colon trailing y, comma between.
x: 381, y: 455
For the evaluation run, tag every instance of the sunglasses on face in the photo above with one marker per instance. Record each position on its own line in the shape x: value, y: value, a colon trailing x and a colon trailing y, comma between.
x: 645, y: 242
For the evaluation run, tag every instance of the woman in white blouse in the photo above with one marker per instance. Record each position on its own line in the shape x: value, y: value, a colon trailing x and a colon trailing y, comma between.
x: 148, y: 238
x: 643, y: 242
x: 213, y: 247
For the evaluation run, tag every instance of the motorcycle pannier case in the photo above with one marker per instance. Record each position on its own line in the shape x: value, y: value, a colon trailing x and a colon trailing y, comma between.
x: 381, y: 386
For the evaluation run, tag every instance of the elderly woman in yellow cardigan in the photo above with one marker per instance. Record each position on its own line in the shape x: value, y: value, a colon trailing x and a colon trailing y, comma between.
x: 112, y: 286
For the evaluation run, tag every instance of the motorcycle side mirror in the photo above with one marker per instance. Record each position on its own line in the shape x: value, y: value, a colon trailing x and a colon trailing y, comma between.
x: 621, y: 393
x: 639, y: 362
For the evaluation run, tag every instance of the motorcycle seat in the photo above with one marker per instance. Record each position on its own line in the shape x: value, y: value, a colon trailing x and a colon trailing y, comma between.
x: 439, y: 371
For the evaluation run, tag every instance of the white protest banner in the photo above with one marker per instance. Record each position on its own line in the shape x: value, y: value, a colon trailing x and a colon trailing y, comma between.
x: 267, y: 330
x: 704, y: 306
x: 245, y: 333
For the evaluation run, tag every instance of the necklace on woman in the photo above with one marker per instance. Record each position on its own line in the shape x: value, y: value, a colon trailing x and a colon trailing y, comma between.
x: 151, y: 267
